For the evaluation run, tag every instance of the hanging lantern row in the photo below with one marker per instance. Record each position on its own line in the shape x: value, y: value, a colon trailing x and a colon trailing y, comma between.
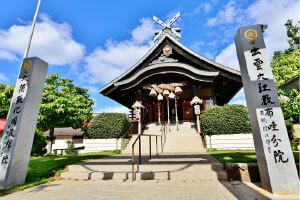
x: 178, y: 90
x: 153, y: 93
x: 137, y: 105
x: 196, y: 100
x: 160, y: 97
x: 172, y: 95
x: 165, y: 89
x: 166, y: 93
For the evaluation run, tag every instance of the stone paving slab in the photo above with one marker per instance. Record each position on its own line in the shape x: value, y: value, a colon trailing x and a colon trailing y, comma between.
x: 116, y: 190
x: 147, y: 190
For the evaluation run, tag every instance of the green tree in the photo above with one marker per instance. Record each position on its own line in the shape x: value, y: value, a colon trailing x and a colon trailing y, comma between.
x: 293, y: 35
x: 285, y: 67
x: 63, y: 105
x: 39, y: 144
x: 290, y: 105
x: 6, y: 93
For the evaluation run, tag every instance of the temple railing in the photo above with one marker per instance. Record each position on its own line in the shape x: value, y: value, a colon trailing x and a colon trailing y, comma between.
x: 138, y: 139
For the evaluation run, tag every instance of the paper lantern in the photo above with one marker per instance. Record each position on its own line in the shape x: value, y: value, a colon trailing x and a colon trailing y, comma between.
x: 153, y: 93
x: 178, y: 91
x: 196, y: 100
x: 172, y: 95
x: 166, y: 93
x: 160, y: 97
x: 137, y: 104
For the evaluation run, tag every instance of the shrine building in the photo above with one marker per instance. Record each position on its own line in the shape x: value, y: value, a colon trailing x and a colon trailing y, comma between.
x: 169, y: 76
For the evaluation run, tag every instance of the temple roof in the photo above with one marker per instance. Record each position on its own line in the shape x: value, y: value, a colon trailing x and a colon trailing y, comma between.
x: 184, y: 61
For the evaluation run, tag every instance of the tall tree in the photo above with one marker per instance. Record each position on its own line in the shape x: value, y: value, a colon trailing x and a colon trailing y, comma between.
x: 293, y: 34
x: 63, y: 105
x: 285, y: 66
x: 6, y: 93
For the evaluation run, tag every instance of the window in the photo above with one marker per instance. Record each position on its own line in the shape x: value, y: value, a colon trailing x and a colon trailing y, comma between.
x: 208, y: 103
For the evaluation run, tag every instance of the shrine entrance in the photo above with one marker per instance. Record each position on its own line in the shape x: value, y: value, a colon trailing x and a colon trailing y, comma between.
x: 166, y: 79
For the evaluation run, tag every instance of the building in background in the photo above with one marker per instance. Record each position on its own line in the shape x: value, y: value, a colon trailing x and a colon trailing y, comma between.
x: 168, y: 77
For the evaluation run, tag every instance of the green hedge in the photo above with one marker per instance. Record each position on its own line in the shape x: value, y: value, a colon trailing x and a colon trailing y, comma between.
x: 39, y: 144
x: 228, y: 119
x: 105, y: 125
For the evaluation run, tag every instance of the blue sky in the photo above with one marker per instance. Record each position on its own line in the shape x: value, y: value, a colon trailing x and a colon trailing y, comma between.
x: 95, y: 41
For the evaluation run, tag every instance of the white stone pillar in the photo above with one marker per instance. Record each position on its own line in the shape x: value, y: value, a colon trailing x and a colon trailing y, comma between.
x: 21, y: 121
x: 274, y: 155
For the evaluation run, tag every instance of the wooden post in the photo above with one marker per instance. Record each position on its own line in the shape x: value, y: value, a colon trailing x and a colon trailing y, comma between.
x: 176, y: 113
x: 158, y: 108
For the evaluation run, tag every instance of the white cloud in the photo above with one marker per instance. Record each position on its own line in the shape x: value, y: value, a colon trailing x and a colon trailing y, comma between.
x: 275, y: 35
x: 228, y: 57
x: 92, y: 89
x: 225, y: 16
x: 278, y: 12
x: 240, y: 101
x: 205, y: 6
x: 107, y: 63
x: 5, y: 55
x: 144, y: 32
x: 117, y: 109
x: 3, y: 78
x: 51, y: 41
x: 240, y: 94
x: 196, y: 45
x: 209, y: 55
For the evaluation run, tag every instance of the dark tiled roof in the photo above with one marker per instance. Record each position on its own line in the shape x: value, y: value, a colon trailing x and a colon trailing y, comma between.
x: 69, y: 131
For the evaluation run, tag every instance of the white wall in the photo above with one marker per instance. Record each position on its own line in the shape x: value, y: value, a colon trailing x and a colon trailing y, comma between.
x: 234, y: 141
x: 91, y: 145
x: 95, y: 145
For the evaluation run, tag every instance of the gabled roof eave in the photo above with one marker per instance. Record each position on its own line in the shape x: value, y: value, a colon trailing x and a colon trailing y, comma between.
x: 135, y: 65
x: 236, y: 72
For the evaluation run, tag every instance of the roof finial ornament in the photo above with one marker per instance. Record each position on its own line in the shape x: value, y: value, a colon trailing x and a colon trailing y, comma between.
x: 174, y: 32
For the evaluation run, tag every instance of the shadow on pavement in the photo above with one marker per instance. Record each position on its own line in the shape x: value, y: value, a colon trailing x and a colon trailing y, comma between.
x: 42, y: 187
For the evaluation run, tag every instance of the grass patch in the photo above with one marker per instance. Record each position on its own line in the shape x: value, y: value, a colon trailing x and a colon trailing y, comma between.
x: 241, y: 156
x: 45, y: 169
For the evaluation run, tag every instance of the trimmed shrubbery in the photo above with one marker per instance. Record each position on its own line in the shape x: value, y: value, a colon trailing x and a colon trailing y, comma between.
x: 39, y: 144
x: 227, y: 119
x: 105, y: 125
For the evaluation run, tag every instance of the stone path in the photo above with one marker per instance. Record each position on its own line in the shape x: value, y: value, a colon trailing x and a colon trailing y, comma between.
x: 146, y: 190
x: 189, y: 174
x: 167, y: 166
x: 113, y: 190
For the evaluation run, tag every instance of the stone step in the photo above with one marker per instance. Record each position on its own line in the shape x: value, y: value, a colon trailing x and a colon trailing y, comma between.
x: 153, y: 166
x: 147, y: 175
x: 166, y: 166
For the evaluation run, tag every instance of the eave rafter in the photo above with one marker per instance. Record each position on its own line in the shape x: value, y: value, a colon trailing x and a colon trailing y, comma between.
x: 167, y: 68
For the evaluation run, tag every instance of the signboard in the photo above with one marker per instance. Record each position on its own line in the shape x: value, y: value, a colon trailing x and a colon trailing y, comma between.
x: 274, y: 155
x: 197, y: 109
x: 17, y: 138
x: 138, y: 113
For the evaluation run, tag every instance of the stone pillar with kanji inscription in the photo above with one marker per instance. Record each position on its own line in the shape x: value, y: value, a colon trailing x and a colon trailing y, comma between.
x: 17, y: 138
x: 274, y: 155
